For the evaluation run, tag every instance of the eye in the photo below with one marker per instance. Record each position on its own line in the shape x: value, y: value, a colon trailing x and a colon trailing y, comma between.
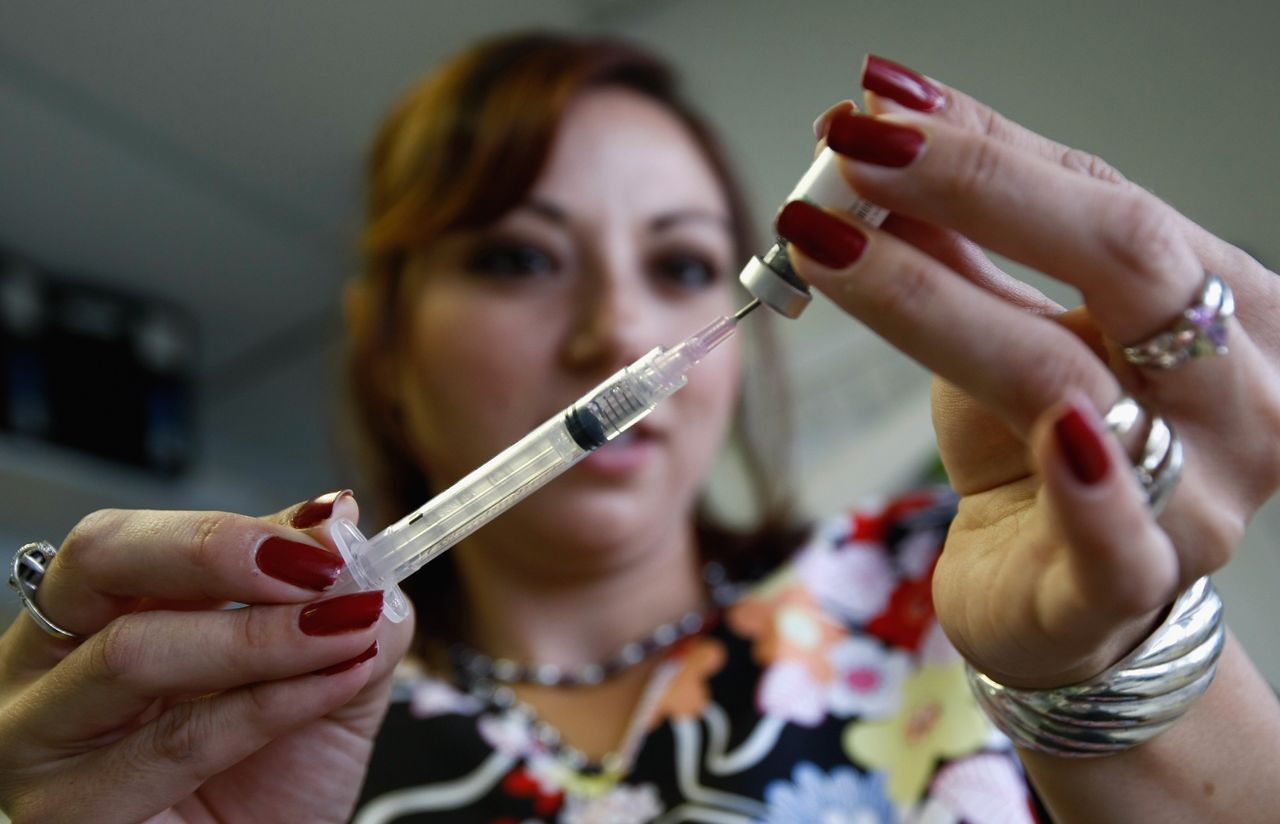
x: 686, y: 270
x: 505, y: 259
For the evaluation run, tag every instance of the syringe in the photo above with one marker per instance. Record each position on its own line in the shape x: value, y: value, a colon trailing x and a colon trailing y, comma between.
x: 596, y: 418
x: 593, y: 420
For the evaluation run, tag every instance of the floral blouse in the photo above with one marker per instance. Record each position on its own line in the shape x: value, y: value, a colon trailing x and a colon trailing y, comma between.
x: 825, y: 693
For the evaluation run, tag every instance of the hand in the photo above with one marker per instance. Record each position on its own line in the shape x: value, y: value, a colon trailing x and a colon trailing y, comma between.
x: 171, y: 706
x: 1055, y: 566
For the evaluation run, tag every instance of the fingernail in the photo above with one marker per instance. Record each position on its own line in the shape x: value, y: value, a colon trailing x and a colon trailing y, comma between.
x: 1082, y: 446
x: 823, y: 121
x: 901, y: 85
x: 346, y: 613
x: 350, y: 663
x: 302, y: 565
x: 316, y: 510
x: 872, y: 140
x: 821, y: 236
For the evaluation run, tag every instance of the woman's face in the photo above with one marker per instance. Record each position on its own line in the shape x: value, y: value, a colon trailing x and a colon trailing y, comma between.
x: 623, y: 244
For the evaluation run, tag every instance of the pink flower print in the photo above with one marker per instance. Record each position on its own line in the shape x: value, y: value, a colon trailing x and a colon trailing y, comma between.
x: 431, y: 697
x: 788, y: 690
x: 868, y: 678
x: 935, y: 647
x: 791, y: 636
x: 854, y: 581
x: 917, y: 552
x: 984, y: 789
x: 621, y: 805
x: 507, y: 733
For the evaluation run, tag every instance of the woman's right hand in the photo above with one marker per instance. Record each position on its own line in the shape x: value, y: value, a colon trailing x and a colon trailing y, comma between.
x: 169, y: 705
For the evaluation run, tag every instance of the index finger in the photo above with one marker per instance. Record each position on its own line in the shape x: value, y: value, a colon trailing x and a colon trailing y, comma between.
x: 893, y: 88
x: 114, y: 559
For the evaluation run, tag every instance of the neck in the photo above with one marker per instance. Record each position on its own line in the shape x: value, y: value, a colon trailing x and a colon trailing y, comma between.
x: 571, y: 605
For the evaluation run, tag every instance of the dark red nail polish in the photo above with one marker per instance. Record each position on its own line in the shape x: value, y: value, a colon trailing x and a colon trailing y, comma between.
x: 1082, y: 446
x: 872, y: 140
x: 824, y: 237
x: 302, y: 565
x: 350, y: 663
x: 346, y: 613
x: 823, y: 121
x: 901, y: 85
x: 316, y: 510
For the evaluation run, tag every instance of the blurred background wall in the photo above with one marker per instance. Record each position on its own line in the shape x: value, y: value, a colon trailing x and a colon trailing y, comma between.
x: 205, y: 157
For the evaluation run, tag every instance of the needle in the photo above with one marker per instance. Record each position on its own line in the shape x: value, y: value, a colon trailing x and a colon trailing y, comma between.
x: 746, y: 310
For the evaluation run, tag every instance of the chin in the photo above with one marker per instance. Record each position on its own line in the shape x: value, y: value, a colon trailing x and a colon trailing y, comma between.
x: 603, y: 519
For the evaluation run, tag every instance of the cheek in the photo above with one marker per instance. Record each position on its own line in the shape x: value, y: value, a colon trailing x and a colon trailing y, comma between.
x: 710, y: 399
x: 469, y: 392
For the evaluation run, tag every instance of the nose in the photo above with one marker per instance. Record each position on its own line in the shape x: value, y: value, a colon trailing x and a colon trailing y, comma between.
x: 612, y: 323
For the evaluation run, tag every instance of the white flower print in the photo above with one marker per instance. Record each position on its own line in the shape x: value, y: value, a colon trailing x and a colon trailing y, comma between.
x: 621, y: 805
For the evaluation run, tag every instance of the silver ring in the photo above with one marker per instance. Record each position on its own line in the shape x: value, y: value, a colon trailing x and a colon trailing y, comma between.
x: 25, y: 574
x: 1200, y: 331
x: 1159, y: 464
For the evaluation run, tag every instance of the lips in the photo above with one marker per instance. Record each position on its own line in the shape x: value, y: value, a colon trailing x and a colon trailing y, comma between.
x: 626, y: 454
x: 632, y: 435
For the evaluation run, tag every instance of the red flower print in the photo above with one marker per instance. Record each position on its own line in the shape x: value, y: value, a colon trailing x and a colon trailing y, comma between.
x: 522, y: 785
x: 910, y: 611
x: 869, y: 528
x: 872, y: 526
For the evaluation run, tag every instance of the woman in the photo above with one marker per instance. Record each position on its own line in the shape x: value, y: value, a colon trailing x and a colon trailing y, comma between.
x: 556, y: 196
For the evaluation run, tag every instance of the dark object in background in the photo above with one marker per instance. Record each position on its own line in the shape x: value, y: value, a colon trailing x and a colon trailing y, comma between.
x: 97, y: 371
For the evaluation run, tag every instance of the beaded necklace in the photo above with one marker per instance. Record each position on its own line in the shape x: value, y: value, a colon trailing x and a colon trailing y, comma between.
x: 490, y: 680
x: 473, y: 665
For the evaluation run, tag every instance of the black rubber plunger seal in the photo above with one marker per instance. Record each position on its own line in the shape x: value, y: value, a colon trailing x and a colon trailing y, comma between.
x: 585, y: 428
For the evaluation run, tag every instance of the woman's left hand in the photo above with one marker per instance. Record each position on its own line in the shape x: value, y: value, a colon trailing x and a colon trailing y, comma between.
x: 1055, y: 565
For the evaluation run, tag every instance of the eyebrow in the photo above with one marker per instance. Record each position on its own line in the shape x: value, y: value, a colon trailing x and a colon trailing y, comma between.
x: 555, y: 214
x: 545, y: 209
x: 668, y: 219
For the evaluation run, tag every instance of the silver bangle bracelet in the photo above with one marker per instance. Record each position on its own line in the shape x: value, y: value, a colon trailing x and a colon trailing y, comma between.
x: 1138, y: 698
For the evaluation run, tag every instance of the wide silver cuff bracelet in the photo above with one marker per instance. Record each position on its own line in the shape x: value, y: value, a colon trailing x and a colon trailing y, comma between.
x: 1138, y: 698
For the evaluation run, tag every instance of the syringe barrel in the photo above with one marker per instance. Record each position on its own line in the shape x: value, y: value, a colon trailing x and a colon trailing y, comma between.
x: 405, y: 546
x: 603, y: 413
x: 628, y: 395
x: 596, y: 418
